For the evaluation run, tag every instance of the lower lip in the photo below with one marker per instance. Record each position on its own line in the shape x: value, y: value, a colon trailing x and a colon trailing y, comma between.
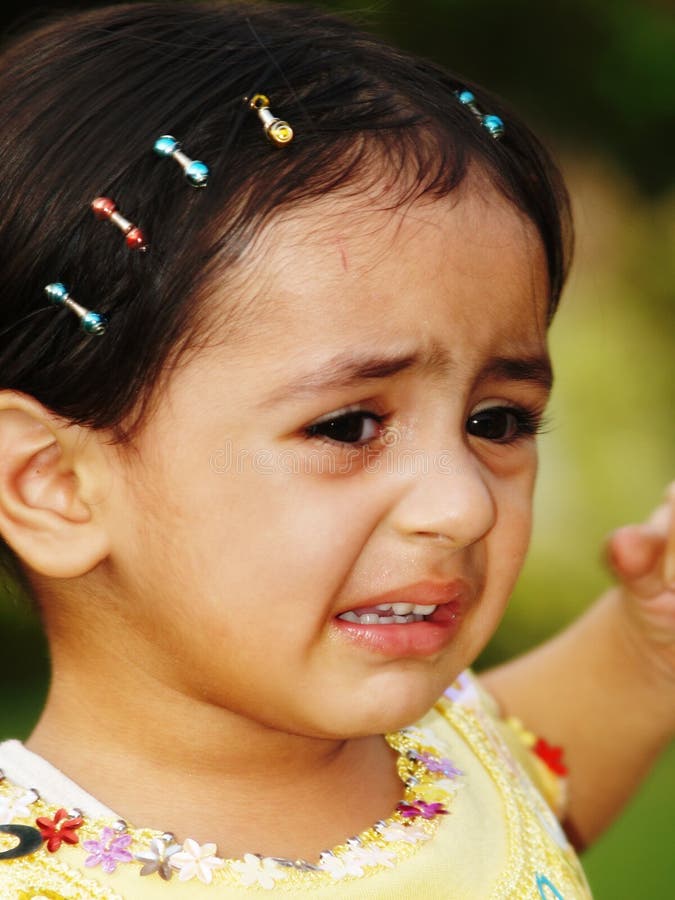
x: 414, y: 639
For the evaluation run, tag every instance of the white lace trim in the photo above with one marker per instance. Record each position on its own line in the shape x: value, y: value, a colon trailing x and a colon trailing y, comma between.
x: 27, y: 769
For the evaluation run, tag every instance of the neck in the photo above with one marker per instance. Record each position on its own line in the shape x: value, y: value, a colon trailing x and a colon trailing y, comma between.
x: 171, y: 761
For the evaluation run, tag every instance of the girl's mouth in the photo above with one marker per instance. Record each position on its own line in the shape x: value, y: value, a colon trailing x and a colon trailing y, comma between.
x: 401, y: 629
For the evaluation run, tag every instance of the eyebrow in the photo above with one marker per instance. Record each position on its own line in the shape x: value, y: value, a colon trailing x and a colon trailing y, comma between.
x: 535, y: 369
x: 347, y: 370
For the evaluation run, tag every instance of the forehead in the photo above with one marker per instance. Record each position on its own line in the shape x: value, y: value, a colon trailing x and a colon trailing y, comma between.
x: 359, y: 268
x: 459, y: 284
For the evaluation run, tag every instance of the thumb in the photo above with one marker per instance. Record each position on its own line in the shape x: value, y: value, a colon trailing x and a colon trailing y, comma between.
x: 633, y: 551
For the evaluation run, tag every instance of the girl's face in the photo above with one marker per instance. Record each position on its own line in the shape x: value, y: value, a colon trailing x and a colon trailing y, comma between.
x: 371, y: 431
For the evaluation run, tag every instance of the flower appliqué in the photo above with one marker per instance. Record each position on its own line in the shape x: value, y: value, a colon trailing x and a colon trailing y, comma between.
x: 439, y: 765
x: 418, y: 808
x: 196, y: 861
x: 338, y: 867
x: 109, y: 850
x: 60, y: 829
x: 16, y: 806
x: 403, y: 831
x: 157, y: 857
x: 552, y: 756
x: 257, y: 870
x: 367, y: 857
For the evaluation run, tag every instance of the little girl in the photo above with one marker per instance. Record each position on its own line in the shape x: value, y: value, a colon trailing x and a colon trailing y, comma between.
x: 273, y: 360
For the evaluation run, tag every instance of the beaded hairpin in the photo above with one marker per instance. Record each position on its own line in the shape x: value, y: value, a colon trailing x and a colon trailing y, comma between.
x: 91, y: 322
x: 278, y: 131
x: 105, y: 208
x: 196, y: 172
x: 491, y: 123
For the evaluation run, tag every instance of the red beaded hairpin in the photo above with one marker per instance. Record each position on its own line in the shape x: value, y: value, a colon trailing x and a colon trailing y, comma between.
x: 105, y: 208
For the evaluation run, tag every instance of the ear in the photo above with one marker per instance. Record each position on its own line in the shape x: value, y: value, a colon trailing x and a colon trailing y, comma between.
x: 52, y: 477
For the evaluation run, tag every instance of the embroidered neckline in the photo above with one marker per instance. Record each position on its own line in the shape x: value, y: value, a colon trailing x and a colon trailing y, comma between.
x: 430, y: 781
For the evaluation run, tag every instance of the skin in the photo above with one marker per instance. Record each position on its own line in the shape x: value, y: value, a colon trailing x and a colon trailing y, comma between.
x: 205, y: 632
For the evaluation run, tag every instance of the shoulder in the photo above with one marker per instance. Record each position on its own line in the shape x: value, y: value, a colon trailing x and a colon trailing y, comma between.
x: 505, y: 801
x: 468, y: 707
x: 32, y: 831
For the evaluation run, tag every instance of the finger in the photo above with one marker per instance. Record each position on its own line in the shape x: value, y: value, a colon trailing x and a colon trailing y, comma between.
x: 646, y: 552
x: 633, y: 551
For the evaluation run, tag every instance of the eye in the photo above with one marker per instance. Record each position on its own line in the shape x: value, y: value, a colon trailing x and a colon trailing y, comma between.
x: 357, y: 426
x: 504, y: 424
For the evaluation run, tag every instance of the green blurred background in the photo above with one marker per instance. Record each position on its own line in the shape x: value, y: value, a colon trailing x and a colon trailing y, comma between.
x: 597, y: 80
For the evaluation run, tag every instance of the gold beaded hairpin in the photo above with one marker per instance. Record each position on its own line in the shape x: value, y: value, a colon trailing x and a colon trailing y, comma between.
x: 278, y: 131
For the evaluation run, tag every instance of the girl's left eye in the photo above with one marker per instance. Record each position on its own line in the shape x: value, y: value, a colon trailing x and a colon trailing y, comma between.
x: 504, y: 424
x: 357, y: 426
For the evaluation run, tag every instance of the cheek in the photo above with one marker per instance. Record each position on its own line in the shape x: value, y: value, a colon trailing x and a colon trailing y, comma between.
x: 262, y: 536
x: 510, y: 538
x: 502, y: 555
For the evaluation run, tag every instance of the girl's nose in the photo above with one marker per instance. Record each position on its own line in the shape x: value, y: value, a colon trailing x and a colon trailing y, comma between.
x: 451, y: 499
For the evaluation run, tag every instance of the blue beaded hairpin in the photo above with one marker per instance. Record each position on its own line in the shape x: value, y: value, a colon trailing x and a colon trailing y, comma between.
x: 91, y: 322
x: 196, y: 172
x: 491, y: 123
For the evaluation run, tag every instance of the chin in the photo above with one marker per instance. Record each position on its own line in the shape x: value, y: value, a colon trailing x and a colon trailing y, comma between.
x: 400, y: 700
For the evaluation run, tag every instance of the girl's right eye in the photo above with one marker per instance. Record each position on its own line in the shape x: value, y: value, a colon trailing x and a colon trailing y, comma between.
x: 359, y: 426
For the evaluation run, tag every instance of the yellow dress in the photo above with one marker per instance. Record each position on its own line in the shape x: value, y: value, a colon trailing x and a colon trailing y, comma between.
x: 476, y: 822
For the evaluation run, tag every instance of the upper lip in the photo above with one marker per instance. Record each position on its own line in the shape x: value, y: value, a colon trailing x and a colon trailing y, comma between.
x: 424, y: 593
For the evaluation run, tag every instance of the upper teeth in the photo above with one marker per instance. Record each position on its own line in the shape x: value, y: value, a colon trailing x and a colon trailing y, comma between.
x: 403, y: 613
x: 404, y: 609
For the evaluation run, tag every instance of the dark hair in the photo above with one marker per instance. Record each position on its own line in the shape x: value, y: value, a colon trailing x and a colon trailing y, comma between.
x: 83, y: 100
